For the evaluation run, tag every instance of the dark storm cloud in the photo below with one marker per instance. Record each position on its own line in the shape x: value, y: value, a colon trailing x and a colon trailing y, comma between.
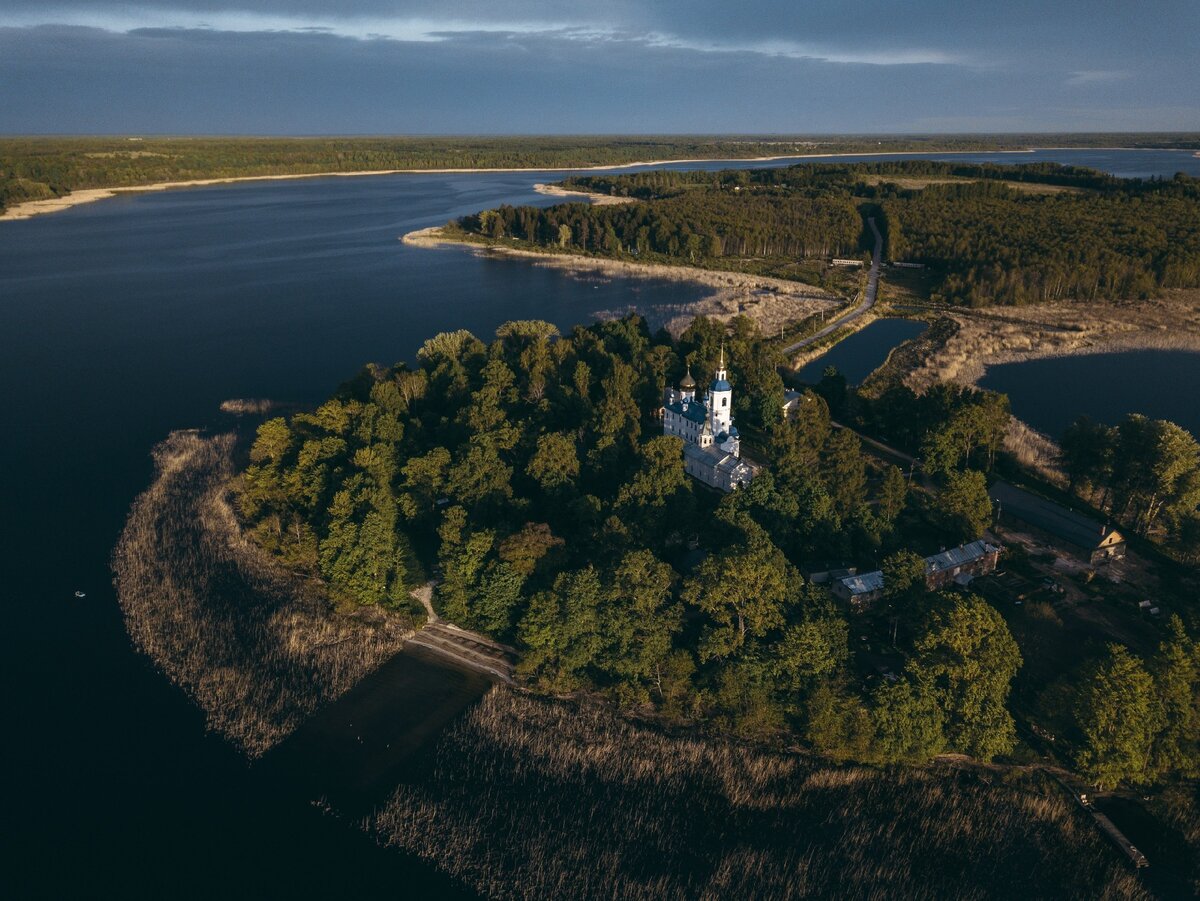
x: 373, y: 66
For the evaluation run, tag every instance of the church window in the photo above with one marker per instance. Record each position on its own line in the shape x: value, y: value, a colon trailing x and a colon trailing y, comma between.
x: 724, y: 401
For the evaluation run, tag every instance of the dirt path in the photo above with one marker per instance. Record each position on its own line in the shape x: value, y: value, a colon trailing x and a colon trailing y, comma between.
x: 867, y: 302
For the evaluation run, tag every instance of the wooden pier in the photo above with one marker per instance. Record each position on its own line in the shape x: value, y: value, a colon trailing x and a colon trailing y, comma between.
x: 458, y: 646
x: 1107, y: 826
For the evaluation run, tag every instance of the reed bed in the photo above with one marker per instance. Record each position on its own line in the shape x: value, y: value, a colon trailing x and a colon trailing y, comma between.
x: 532, y: 798
x: 259, y: 649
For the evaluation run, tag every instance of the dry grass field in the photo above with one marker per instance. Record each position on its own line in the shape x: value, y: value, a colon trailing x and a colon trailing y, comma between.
x: 537, y: 798
x: 1015, y: 334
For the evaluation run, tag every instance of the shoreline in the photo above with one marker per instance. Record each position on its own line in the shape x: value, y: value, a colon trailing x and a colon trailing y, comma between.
x: 589, y: 196
x: 30, y: 208
x: 1021, y: 335
x: 767, y: 300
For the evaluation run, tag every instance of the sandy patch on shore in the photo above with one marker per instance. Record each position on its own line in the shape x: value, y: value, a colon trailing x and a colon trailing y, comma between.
x: 772, y: 303
x: 592, y: 198
x: 88, y: 195
x: 1013, y: 335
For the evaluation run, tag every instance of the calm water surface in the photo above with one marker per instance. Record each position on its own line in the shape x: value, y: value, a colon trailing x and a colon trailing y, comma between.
x: 863, y: 352
x: 125, y: 319
x: 1051, y: 394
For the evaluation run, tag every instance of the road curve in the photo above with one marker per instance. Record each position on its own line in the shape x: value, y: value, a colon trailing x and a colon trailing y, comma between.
x: 868, y: 300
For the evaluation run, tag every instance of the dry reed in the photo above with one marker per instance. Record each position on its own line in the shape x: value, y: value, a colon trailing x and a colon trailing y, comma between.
x: 534, y: 798
x: 259, y: 649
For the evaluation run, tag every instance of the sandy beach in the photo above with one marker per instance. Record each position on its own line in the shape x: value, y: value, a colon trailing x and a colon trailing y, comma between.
x: 770, y: 302
x: 590, y: 197
x: 32, y: 208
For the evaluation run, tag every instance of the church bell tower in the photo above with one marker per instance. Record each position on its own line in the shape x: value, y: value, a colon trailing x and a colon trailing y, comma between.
x: 721, y: 408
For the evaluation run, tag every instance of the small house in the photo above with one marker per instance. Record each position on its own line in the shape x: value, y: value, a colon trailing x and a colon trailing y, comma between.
x: 860, y: 591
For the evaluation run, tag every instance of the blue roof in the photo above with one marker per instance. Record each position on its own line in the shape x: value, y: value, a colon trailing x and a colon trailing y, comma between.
x: 721, y: 385
x: 689, y: 409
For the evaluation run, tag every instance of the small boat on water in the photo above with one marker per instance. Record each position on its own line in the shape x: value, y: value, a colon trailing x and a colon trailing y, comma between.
x: 80, y: 594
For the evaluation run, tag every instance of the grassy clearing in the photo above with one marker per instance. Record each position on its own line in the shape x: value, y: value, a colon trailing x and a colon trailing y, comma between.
x: 917, y: 182
x: 531, y: 798
x: 257, y: 648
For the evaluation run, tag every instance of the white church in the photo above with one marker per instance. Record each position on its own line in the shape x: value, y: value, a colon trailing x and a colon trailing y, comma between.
x: 712, y: 450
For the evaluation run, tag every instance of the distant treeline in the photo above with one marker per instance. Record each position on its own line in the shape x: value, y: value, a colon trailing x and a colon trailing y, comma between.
x: 986, y: 239
x: 42, y: 167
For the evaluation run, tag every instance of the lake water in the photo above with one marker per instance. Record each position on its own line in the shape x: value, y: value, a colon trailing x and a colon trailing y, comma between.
x: 1160, y: 384
x: 863, y: 352
x: 125, y: 319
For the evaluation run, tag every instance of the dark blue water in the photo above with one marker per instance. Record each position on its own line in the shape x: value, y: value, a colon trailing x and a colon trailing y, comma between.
x: 863, y: 352
x: 1051, y: 394
x: 125, y: 319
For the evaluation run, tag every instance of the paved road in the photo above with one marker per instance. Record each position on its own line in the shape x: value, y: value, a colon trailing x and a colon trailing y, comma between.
x: 868, y: 300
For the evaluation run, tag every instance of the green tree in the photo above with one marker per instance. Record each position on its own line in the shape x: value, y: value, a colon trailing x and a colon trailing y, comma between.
x: 964, y: 504
x: 1087, y: 454
x: 273, y: 442
x: 496, y: 599
x: 640, y: 619
x: 555, y: 462
x: 966, y: 659
x: 462, y: 564
x: 1175, y: 670
x: 796, y: 445
x: 1119, y: 716
x: 815, y: 648
x: 424, y: 480
x: 524, y: 549
x: 893, y: 496
x: 744, y: 700
x: 845, y: 471
x: 903, y: 575
x: 1156, y: 470
x: 561, y: 630
x: 658, y: 477
x: 743, y: 589
x: 837, y: 723
x: 909, y: 723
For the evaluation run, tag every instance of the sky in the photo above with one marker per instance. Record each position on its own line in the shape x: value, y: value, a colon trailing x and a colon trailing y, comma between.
x: 599, y: 67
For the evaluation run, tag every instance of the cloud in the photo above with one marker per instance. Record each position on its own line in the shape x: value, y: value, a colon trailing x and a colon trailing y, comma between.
x: 700, y: 66
x: 1096, y: 76
x: 364, y: 25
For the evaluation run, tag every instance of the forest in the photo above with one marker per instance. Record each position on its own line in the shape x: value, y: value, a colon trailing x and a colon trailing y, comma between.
x: 530, y: 477
x: 37, y: 168
x: 985, y: 238
x: 1142, y: 471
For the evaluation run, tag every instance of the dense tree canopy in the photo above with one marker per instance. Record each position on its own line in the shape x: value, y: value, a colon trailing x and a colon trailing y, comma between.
x: 530, y: 479
x: 986, y: 238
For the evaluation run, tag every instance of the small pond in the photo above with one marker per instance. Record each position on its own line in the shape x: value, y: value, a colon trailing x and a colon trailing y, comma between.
x: 863, y: 352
